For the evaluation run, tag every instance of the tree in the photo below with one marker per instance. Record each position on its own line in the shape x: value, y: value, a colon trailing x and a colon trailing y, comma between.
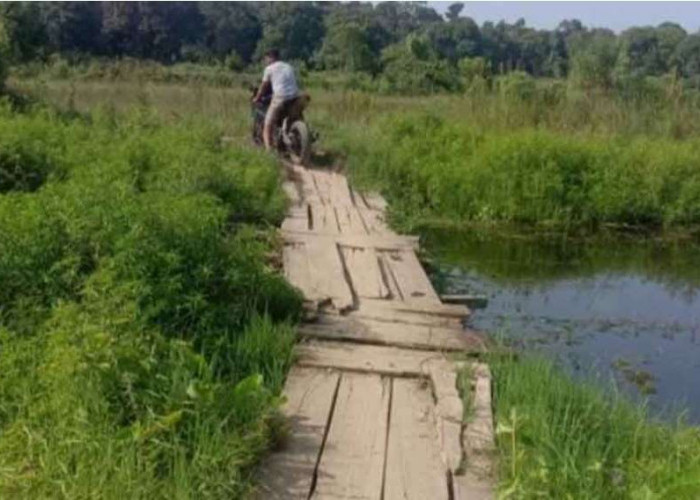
x: 455, y: 40
x: 151, y: 30
x: 73, y: 26
x: 669, y: 36
x: 594, y: 57
x: 295, y: 28
x: 25, y: 30
x: 453, y: 11
x: 687, y: 56
x: 231, y: 27
x: 639, y: 48
x: 346, y: 47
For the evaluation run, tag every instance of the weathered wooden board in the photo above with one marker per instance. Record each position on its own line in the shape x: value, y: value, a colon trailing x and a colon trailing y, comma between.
x: 297, y: 219
x: 449, y: 412
x: 340, y: 191
x: 412, y: 281
x: 324, y: 220
x: 406, y: 335
x: 296, y: 269
x: 352, y: 463
x: 414, y: 468
x: 380, y: 242
x: 415, y: 310
x: 289, y: 472
x: 374, y: 221
x: 350, y: 221
x: 365, y: 358
x: 478, y: 442
x: 375, y: 201
x: 363, y: 267
x: 327, y: 274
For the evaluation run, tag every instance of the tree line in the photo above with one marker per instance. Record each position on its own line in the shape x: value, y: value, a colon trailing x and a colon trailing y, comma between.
x: 397, y: 40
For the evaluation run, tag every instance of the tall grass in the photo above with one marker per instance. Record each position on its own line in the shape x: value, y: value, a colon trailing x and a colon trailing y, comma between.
x: 144, y: 336
x: 432, y: 167
x: 560, y: 438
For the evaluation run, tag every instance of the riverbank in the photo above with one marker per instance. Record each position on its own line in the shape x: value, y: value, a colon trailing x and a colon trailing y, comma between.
x: 145, y: 333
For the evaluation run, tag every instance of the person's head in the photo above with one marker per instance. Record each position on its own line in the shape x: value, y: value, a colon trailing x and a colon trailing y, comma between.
x: 271, y: 56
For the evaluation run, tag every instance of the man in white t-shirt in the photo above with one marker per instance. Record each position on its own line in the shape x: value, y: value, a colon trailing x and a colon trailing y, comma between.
x: 280, y: 76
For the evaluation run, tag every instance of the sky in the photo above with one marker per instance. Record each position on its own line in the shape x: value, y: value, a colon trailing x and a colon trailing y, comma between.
x: 614, y: 15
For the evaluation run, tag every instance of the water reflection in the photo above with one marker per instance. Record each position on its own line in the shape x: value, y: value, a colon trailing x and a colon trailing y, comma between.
x: 625, y: 310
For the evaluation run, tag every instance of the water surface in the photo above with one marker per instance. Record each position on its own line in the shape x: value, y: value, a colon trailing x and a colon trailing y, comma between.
x: 624, y: 310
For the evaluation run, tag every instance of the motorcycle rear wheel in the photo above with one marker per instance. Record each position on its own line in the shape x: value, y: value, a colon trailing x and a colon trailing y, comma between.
x: 300, y: 147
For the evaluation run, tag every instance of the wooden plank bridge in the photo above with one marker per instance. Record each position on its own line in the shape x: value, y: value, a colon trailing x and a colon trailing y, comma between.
x: 373, y: 401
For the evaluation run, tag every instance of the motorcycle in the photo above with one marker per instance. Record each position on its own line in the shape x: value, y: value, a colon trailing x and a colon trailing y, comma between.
x: 291, y: 135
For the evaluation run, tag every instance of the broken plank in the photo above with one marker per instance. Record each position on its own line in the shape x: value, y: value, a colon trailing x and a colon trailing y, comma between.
x: 352, y: 462
x: 416, y: 309
x: 473, y: 301
x: 381, y: 242
x: 323, y: 219
x: 414, y: 469
x: 327, y: 274
x: 410, y: 276
x: 363, y: 267
x: 375, y: 201
x: 407, y: 335
x: 478, y: 442
x: 365, y: 358
x: 288, y: 473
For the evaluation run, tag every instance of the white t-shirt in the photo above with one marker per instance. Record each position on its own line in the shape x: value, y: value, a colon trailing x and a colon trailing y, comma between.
x: 284, y: 83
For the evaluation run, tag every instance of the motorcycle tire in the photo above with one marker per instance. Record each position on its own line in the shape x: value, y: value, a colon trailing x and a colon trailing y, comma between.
x: 300, y: 139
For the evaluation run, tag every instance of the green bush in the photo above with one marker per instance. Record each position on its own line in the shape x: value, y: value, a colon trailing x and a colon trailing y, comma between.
x: 143, y: 336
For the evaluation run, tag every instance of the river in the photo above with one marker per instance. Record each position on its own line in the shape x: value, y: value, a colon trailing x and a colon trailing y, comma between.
x: 625, y: 311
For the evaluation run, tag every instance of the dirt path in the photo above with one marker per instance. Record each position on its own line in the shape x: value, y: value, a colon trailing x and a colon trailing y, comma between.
x: 373, y: 401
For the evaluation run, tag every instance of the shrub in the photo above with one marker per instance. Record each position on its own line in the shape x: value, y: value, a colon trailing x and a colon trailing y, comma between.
x: 143, y: 335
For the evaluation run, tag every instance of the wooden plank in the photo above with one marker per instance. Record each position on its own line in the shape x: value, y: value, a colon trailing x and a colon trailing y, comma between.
x: 292, y: 192
x: 412, y: 336
x: 416, y: 309
x: 363, y: 267
x: 352, y: 463
x: 322, y: 182
x: 478, y: 442
x: 410, y: 276
x: 365, y: 358
x: 328, y: 274
x: 375, y: 222
x: 393, y: 315
x: 350, y: 221
x: 288, y: 473
x: 296, y: 268
x: 472, y: 301
x: 297, y: 219
x: 309, y: 191
x: 375, y: 201
x: 340, y: 190
x: 383, y: 242
x: 323, y: 219
x: 414, y: 469
x: 449, y: 411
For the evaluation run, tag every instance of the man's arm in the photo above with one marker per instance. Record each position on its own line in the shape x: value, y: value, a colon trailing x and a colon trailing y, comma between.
x: 263, y: 89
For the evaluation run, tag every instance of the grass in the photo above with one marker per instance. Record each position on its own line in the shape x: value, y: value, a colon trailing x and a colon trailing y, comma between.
x: 563, y: 438
x: 144, y: 334
x: 440, y: 169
